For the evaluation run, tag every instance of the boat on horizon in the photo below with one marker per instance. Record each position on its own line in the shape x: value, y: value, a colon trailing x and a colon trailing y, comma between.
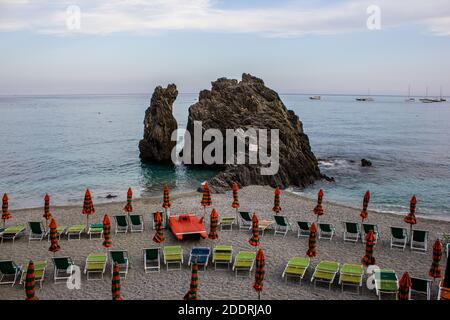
x: 410, y: 99
x: 432, y: 100
x: 315, y: 97
x: 365, y: 99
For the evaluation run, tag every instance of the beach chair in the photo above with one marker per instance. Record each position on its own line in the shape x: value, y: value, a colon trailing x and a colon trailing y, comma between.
x: 121, y: 258
x: 222, y: 255
x: 296, y: 268
x: 244, y: 261
x: 326, y: 231
x: 136, y: 223
x: 366, y: 227
x: 39, y: 272
x: 11, y: 233
x: 9, y: 272
x: 75, y: 231
x: 351, y: 231
x: 245, y: 220
x: 303, y: 228
x: 164, y: 219
x: 282, y: 225
x: 200, y: 255
x: 95, y: 229
x: 121, y: 224
x: 36, y: 231
x: 419, y: 241
x: 152, y: 260
x: 227, y: 222
x: 173, y: 255
x: 386, y: 281
x: 60, y: 231
x: 95, y: 264
x: 351, y: 275
x: 398, y: 237
x: 62, y: 268
x: 420, y: 286
x: 325, y: 272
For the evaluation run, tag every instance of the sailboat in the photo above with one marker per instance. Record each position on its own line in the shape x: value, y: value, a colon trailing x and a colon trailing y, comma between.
x: 426, y: 99
x: 409, y: 95
x: 440, y: 97
x: 365, y: 99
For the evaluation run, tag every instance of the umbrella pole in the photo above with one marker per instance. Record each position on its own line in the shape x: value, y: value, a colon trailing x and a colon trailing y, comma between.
x: 259, y: 295
x: 410, y: 234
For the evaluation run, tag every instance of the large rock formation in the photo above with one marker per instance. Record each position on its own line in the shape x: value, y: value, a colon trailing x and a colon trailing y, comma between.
x: 159, y: 123
x: 231, y: 104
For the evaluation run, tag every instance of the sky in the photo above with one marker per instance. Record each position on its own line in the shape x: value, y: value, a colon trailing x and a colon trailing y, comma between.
x: 315, y: 46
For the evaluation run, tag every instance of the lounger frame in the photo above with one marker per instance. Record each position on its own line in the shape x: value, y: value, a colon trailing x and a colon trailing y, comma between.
x: 397, y: 242
x: 417, y: 245
x: 18, y: 272
x: 326, y: 235
x: 301, y: 232
x: 36, y: 236
x: 136, y: 227
x: 95, y: 271
x: 123, y: 267
x: 154, y: 268
x: 350, y: 236
x: 282, y: 229
x: 57, y: 271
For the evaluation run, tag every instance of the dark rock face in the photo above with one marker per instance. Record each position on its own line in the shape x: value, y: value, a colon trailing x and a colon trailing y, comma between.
x: 233, y: 104
x: 159, y: 123
x: 366, y: 163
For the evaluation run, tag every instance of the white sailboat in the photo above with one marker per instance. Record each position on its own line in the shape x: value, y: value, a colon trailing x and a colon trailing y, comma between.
x: 426, y: 99
x: 409, y: 95
x: 365, y: 99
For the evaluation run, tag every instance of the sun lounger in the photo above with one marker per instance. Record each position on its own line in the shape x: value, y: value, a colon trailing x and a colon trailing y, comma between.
x: 152, y: 260
x: 296, y: 268
x: 447, y: 248
x: 420, y: 286
x: 282, y: 225
x: 11, y: 233
x: 222, y: 255
x: 95, y: 229
x: 200, y: 255
x: 366, y: 227
x: 75, y: 231
x: 121, y: 224
x: 245, y: 220
x: 326, y: 231
x: 386, y: 281
x: 9, y: 272
x: 36, y: 231
x: 95, y: 264
x: 39, y: 272
x: 419, y: 240
x: 325, y: 272
x: 173, y: 255
x: 62, y: 268
x: 120, y: 257
x: 136, y: 223
x: 244, y: 261
x: 398, y: 237
x: 303, y: 229
x: 227, y: 222
x: 351, y: 231
x: 351, y: 275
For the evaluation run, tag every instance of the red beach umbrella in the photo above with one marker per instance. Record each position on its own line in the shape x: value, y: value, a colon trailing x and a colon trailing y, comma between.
x: 366, y: 200
x: 129, y: 206
x: 235, y: 203
x: 213, y: 225
x: 115, y: 283
x: 192, y: 294
x: 30, y: 282
x: 435, y: 270
x: 88, y: 206
x: 5, y: 213
x: 276, y: 201
x: 166, y: 200
x: 312, y: 241
x: 260, y: 272
x: 206, y: 199
x: 254, y: 240
x: 107, y: 239
x: 411, y: 216
x: 318, y: 210
x: 54, y: 245
x: 404, y: 287
x: 47, y: 215
x: 159, y: 235
x: 369, y: 259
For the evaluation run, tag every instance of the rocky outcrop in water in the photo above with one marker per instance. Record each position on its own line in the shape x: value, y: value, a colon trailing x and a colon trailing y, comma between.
x: 159, y: 123
x: 366, y: 163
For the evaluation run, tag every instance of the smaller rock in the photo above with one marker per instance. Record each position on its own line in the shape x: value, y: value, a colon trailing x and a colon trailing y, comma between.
x: 366, y: 163
x: 110, y: 196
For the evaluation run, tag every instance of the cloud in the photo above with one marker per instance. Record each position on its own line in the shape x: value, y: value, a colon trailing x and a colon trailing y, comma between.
x: 291, y: 19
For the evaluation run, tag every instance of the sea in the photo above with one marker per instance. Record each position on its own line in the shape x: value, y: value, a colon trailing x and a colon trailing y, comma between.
x: 62, y: 145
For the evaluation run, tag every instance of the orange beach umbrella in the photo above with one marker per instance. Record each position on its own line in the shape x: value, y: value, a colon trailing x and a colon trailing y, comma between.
x: 5, y: 213
x: 411, y: 216
x: 159, y: 235
x: 47, y: 214
x: 107, y: 239
x: 166, y: 201
x: 30, y: 282
x: 129, y: 206
x: 206, y: 198
x: 54, y: 245
x: 404, y: 287
x: 88, y: 206
x: 115, y: 283
x: 318, y: 210
x: 276, y: 201
x: 312, y: 241
x: 260, y: 272
x: 368, y: 258
x: 364, y: 214
x: 435, y: 270
x: 192, y: 294
x: 254, y: 240
x: 213, y: 225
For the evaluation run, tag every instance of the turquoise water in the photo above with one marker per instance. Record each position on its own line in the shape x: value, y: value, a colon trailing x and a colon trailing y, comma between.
x: 63, y: 144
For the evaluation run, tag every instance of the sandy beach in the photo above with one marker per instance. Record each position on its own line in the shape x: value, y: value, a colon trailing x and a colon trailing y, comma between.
x: 217, y: 284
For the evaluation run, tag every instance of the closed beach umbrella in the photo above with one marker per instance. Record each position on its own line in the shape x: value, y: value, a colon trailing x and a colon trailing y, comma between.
x: 318, y: 210
x: 369, y: 259
x: 404, y: 287
x: 192, y: 294
x: 47, y: 215
x: 129, y: 206
x: 88, y: 206
x: 107, y: 239
x: 159, y: 235
x: 5, y: 213
x: 435, y: 270
x: 276, y: 201
x: 235, y: 203
x: 364, y: 214
x: 260, y: 272
x: 312, y: 241
x: 254, y: 240
x: 54, y: 245
x: 166, y: 201
x: 30, y: 282
x: 411, y: 216
x: 115, y: 283
x: 213, y: 225
x: 206, y: 199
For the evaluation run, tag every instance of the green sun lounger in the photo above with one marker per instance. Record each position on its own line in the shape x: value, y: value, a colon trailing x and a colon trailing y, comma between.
x: 386, y: 281
x: 419, y: 240
x: 11, y: 233
x: 420, y: 286
x: 39, y: 272
x: 222, y: 255
x: 9, y: 272
x: 296, y: 268
x: 36, y: 231
x: 95, y: 229
x: 121, y: 224
x: 61, y: 268
x: 244, y: 261
x: 399, y: 237
x: 227, y: 222
x: 282, y: 225
x: 351, y: 275
x: 245, y: 220
x: 152, y: 260
x: 303, y: 229
x: 136, y: 223
x: 326, y: 231
x: 120, y: 257
x: 325, y: 272
x: 365, y: 228
x: 75, y: 231
x: 351, y: 231
x: 173, y: 255
x: 95, y: 264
